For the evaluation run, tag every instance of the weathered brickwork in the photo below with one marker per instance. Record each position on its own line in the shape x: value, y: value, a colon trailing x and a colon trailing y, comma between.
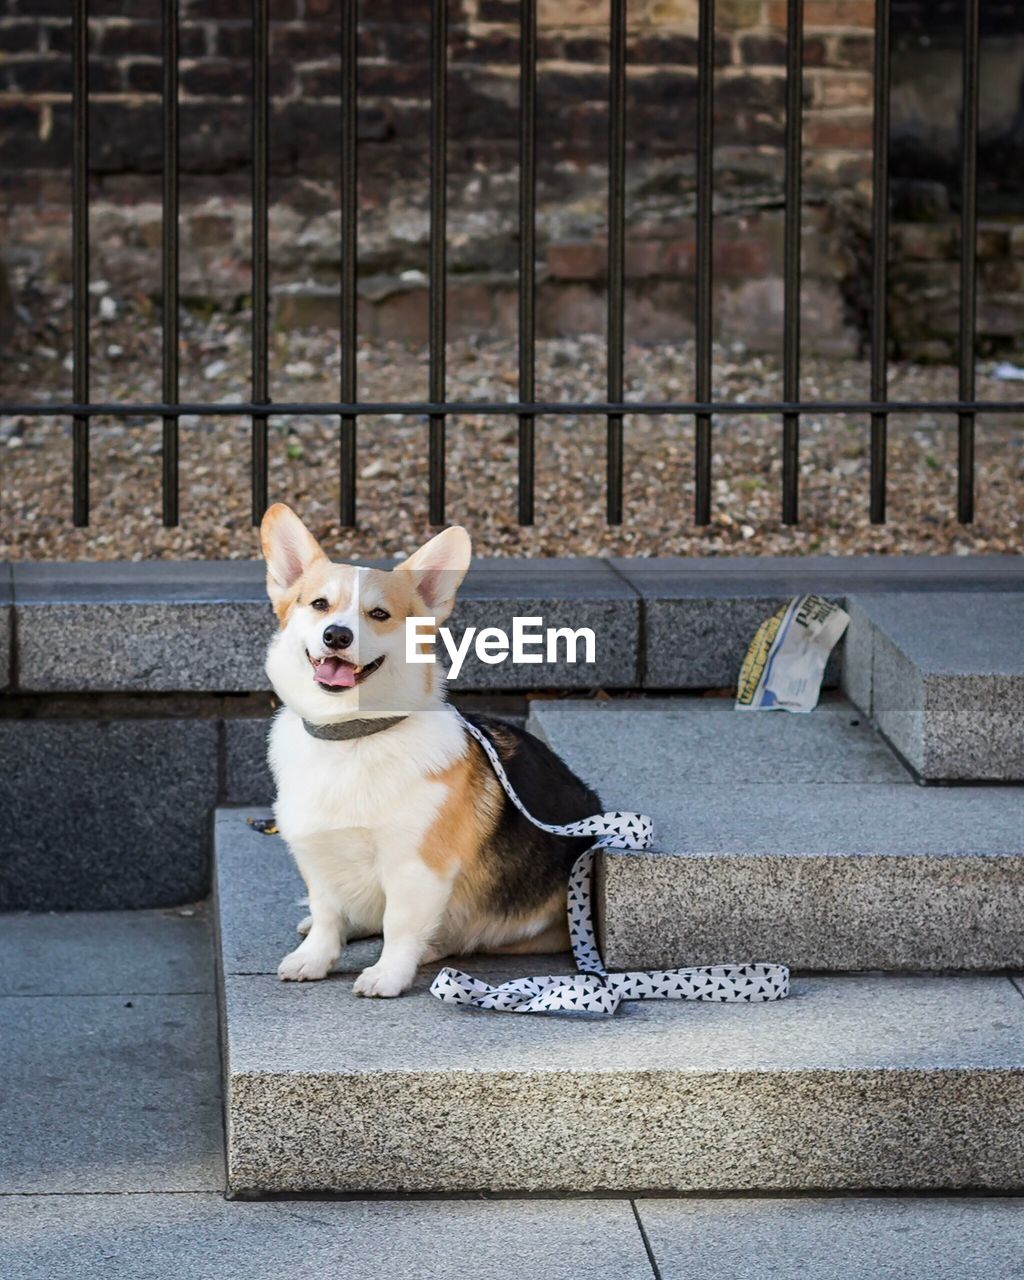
x: 215, y: 36
x: 925, y: 293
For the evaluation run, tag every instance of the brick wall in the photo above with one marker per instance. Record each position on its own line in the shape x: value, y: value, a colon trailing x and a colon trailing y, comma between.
x: 215, y: 39
x: 215, y: 43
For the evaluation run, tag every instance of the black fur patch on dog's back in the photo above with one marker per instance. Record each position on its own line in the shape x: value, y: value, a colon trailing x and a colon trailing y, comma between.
x: 529, y: 865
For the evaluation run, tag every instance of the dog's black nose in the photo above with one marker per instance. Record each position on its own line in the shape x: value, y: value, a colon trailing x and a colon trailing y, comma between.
x: 337, y: 637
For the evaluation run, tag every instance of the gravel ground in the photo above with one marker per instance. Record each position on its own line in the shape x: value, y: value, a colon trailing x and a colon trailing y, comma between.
x: 35, y: 483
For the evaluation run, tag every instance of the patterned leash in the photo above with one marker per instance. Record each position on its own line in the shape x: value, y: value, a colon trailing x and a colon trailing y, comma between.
x: 593, y: 989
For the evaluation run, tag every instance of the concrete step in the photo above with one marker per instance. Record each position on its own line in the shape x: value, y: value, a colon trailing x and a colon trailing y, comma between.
x: 855, y: 1082
x: 794, y: 838
x: 942, y: 675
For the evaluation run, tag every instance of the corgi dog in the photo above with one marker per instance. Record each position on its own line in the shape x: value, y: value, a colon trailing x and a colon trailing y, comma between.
x: 390, y: 808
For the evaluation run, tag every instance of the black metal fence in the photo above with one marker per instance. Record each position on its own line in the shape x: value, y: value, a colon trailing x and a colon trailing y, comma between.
x: 348, y: 408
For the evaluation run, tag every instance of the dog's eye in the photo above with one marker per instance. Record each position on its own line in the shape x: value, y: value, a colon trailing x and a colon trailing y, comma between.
x: 379, y: 614
x: 320, y: 604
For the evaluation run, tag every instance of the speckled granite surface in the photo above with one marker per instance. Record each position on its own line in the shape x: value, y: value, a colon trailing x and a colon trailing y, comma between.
x: 942, y: 674
x: 797, y: 838
x: 869, y: 1081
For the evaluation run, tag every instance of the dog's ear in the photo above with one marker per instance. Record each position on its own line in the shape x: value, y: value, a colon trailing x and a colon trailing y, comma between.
x: 288, y: 548
x: 439, y: 567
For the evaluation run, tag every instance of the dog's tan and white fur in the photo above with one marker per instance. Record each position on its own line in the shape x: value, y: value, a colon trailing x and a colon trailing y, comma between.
x: 406, y: 831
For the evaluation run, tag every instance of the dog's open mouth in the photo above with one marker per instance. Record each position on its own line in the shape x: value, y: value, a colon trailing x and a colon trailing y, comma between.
x: 333, y: 673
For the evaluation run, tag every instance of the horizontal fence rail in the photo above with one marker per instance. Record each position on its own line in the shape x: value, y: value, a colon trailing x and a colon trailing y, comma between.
x: 545, y: 408
x: 436, y: 409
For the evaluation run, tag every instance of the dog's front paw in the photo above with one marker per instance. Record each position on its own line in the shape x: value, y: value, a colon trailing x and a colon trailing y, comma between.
x: 379, y: 981
x: 305, y: 964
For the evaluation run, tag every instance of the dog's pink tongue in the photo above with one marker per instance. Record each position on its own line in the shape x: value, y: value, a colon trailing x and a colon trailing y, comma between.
x: 336, y: 673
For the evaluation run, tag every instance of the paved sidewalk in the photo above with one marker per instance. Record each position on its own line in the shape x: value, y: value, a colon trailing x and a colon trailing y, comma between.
x: 111, y: 1100
x: 109, y: 1054
x: 111, y: 1161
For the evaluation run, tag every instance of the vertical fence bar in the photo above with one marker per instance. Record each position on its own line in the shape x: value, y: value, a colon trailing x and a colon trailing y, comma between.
x: 791, y: 264
x: 80, y: 259
x: 438, y: 246
x: 880, y: 258
x: 260, y: 277
x: 968, y: 258
x: 527, y: 248
x: 349, y: 259
x: 169, y: 261
x: 616, y: 249
x: 705, y: 195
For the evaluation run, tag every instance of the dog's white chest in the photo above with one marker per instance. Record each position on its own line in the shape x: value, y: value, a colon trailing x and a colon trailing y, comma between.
x: 351, y: 809
x: 379, y: 783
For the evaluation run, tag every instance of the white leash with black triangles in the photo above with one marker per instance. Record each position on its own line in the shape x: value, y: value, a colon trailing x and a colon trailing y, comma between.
x: 593, y: 989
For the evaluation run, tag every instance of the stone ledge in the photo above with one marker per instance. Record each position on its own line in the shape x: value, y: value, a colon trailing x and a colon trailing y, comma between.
x: 167, y: 626
x: 156, y: 626
x: 665, y: 623
x: 701, y: 614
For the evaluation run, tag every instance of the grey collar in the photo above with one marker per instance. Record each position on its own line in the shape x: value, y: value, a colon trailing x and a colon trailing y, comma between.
x: 341, y: 730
